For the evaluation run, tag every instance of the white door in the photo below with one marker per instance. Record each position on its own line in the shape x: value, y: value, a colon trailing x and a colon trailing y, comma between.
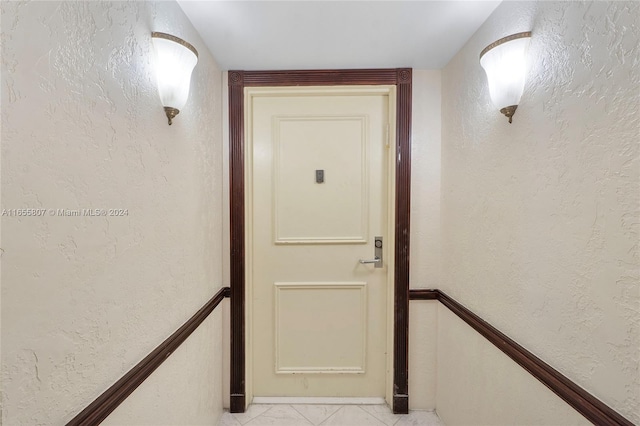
x: 318, y: 201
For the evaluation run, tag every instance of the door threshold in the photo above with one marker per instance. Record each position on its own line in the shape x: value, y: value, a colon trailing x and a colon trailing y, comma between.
x: 318, y: 400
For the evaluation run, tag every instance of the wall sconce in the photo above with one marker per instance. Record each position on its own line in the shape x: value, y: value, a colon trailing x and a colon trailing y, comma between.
x: 504, y: 61
x: 175, y: 60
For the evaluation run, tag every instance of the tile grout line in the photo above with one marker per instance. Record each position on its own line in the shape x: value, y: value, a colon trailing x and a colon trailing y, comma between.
x: 370, y: 414
x: 298, y: 411
x: 399, y: 417
x: 251, y: 419
x: 373, y: 414
x: 305, y: 417
x: 228, y: 415
x: 337, y: 411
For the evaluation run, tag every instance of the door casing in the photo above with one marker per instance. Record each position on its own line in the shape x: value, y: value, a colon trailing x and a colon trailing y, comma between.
x: 238, y: 80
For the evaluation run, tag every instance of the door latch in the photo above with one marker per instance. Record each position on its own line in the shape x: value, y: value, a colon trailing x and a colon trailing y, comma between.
x: 377, y: 253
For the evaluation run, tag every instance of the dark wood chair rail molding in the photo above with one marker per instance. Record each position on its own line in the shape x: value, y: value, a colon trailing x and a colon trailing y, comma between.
x: 423, y: 294
x: 99, y: 409
x: 402, y: 79
x: 582, y: 401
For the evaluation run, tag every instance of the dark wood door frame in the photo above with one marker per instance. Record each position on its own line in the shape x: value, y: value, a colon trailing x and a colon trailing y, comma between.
x: 238, y: 80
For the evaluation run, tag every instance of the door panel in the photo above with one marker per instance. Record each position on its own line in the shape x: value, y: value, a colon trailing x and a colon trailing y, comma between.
x: 342, y: 308
x: 336, y: 210
x: 319, y: 323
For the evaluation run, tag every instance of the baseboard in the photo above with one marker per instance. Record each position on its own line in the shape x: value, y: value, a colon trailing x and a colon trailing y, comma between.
x: 318, y: 400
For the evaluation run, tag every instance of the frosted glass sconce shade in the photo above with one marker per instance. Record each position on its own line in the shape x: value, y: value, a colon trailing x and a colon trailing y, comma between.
x: 504, y: 62
x: 175, y: 60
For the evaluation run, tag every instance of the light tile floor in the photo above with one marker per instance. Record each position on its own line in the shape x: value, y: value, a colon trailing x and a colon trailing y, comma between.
x: 327, y: 415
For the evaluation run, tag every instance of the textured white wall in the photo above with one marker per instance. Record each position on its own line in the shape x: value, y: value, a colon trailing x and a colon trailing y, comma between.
x: 423, y: 347
x: 85, y: 298
x: 426, y: 134
x: 540, y: 218
x: 506, y: 394
x: 186, y: 389
x: 425, y: 234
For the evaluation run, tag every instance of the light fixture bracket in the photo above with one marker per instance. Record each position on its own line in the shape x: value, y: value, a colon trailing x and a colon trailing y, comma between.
x: 508, y: 111
x: 172, y: 112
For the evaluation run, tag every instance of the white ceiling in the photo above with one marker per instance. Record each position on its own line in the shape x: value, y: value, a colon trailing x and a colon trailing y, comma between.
x: 281, y: 35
